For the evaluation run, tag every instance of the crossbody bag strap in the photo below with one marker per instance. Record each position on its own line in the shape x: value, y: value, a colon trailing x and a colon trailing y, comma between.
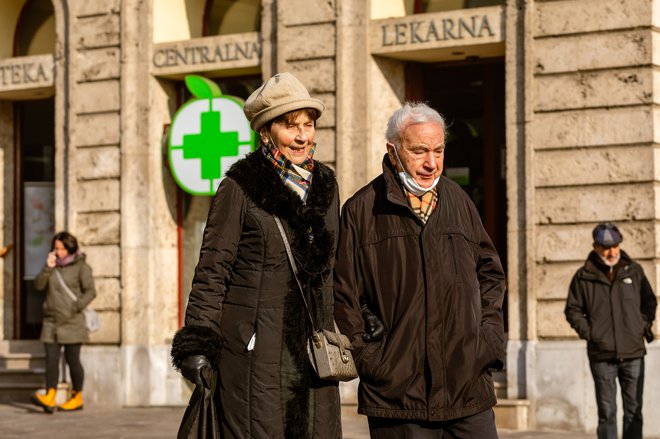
x: 294, y: 268
x: 66, y: 287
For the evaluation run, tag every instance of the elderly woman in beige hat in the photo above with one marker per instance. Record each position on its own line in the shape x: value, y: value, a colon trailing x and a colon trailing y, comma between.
x: 246, y: 318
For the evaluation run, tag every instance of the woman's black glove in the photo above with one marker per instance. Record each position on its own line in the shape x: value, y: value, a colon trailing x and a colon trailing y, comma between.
x: 191, y: 368
x: 373, y: 327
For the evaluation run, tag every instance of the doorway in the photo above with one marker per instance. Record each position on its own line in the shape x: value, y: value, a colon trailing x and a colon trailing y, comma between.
x: 35, y: 201
x: 470, y: 96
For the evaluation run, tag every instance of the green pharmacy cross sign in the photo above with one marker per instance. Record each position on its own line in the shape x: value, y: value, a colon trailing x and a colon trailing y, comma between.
x: 209, y: 133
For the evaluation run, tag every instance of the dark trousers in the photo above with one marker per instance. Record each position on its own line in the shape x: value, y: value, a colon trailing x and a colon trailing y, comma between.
x: 72, y: 357
x: 631, y: 379
x: 479, y: 426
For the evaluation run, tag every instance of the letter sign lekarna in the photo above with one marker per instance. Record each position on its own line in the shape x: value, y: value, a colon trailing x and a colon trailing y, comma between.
x: 208, y: 134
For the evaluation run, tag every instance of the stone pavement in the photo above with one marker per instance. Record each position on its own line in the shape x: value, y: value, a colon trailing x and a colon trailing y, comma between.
x: 24, y: 421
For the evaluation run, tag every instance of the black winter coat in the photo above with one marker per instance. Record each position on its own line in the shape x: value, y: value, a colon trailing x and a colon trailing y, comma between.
x: 611, y: 316
x: 244, y: 288
x: 438, y: 289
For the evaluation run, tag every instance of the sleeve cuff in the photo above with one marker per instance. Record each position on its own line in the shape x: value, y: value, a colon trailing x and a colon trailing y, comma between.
x: 196, y: 340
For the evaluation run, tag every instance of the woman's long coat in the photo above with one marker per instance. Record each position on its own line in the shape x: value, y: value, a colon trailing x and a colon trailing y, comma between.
x: 244, y: 290
x: 63, y: 320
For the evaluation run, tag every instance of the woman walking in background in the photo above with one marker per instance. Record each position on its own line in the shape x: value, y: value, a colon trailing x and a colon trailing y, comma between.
x: 63, y: 322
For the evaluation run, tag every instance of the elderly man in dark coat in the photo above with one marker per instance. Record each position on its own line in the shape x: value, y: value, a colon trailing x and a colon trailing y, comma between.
x: 612, y: 305
x: 414, y: 255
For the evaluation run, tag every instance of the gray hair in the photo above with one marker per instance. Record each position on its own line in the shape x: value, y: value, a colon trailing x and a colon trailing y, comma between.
x: 412, y: 113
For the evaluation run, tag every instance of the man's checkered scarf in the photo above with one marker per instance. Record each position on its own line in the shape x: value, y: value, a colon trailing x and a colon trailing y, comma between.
x: 425, y: 205
x: 298, y: 178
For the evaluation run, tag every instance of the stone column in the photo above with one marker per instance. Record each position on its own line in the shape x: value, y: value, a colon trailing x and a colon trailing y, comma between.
x: 91, y: 109
x: 353, y: 95
x: 519, y: 166
x: 148, y: 233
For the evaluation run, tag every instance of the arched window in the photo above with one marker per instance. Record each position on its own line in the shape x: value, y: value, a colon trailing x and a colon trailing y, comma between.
x: 35, y: 30
x: 425, y: 6
x: 223, y: 17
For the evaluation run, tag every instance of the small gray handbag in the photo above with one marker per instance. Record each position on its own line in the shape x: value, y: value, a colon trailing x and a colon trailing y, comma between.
x: 329, y: 351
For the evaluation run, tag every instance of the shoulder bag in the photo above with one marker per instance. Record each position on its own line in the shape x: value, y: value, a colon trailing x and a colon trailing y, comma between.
x: 92, y: 319
x: 329, y: 351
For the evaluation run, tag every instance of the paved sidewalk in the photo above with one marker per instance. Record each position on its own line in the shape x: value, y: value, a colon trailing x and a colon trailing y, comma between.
x: 24, y: 421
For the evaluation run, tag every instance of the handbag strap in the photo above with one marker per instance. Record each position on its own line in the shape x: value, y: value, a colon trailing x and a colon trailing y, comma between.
x: 66, y: 287
x: 294, y: 268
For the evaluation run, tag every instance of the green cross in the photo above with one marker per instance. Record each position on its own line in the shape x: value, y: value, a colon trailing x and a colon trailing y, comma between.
x: 210, y: 145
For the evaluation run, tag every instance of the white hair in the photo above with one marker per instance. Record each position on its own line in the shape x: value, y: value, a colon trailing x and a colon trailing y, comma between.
x: 412, y: 113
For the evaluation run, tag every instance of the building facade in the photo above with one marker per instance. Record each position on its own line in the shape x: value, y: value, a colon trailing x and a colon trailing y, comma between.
x: 552, y: 112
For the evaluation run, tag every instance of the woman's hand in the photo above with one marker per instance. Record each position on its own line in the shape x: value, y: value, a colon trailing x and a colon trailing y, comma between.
x: 50, y: 261
x: 191, y: 369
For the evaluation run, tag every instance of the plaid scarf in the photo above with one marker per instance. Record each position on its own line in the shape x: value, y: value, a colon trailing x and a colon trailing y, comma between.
x: 298, y: 178
x: 425, y: 205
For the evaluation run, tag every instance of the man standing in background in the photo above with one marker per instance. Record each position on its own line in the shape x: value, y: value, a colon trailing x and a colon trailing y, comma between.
x: 612, y: 306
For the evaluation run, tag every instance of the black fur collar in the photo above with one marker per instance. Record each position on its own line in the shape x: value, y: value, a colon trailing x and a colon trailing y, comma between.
x: 258, y: 179
x: 312, y: 244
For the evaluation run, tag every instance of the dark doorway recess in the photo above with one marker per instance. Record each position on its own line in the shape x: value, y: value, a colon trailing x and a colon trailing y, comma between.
x: 470, y: 95
x: 35, y: 198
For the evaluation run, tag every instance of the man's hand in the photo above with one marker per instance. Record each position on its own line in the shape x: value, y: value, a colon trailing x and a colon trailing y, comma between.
x: 191, y: 368
x: 373, y: 327
x: 648, y: 333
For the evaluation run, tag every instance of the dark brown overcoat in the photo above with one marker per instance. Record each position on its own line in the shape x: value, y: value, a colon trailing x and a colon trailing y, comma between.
x: 438, y: 289
x: 244, y: 288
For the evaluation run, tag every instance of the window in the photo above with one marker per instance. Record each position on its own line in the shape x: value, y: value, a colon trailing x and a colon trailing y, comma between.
x: 425, y: 6
x: 223, y: 17
x: 35, y: 31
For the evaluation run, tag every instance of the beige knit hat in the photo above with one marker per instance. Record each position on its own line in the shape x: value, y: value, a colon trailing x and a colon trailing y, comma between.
x: 279, y: 95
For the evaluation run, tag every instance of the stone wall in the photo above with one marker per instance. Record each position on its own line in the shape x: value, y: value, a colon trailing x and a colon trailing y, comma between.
x: 587, y: 120
x: 593, y: 140
x: 94, y: 183
x: 305, y: 45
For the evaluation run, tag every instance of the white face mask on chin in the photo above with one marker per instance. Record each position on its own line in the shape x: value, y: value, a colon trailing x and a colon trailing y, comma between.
x: 409, y: 182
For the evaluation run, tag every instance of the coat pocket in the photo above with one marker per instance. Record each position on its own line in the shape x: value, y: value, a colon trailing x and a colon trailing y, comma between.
x: 488, y: 355
x: 368, y: 362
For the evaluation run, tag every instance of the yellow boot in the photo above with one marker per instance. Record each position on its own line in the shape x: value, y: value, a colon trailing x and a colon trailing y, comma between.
x: 74, y: 403
x: 46, y: 401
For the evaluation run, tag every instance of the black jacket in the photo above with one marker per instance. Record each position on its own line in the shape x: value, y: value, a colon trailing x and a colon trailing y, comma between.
x: 437, y: 288
x: 611, y: 316
x: 243, y: 285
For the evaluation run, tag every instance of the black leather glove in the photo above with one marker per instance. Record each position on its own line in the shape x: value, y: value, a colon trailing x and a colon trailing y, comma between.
x: 191, y: 368
x: 648, y: 333
x: 373, y: 327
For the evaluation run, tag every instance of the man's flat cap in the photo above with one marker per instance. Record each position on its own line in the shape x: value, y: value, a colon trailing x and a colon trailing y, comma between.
x: 607, y: 235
